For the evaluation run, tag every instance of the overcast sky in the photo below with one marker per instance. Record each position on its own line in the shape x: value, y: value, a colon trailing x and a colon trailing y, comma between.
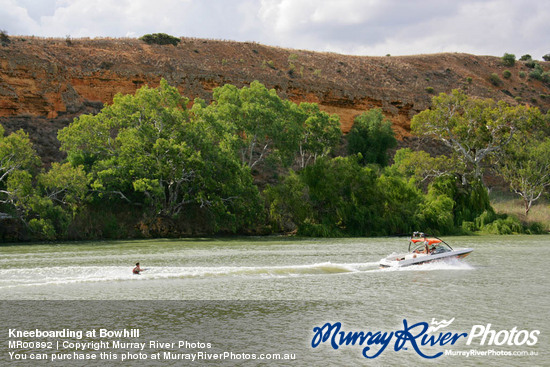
x: 355, y: 27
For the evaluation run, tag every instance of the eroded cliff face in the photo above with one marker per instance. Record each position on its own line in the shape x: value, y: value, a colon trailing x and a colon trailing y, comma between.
x: 45, y: 83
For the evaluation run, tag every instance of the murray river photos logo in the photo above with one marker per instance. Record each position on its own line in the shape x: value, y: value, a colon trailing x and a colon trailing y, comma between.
x: 419, y: 336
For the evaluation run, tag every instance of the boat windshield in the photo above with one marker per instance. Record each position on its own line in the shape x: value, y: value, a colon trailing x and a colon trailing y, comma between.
x: 433, y: 245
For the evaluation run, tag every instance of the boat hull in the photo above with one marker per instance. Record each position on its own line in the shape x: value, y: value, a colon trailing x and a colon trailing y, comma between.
x: 404, y: 260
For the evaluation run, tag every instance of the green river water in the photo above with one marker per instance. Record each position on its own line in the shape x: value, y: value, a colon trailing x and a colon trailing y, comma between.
x: 264, y: 296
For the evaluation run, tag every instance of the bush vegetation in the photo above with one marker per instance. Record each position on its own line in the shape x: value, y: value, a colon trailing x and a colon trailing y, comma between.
x: 531, y: 63
x: 508, y: 59
x: 495, y: 79
x: 250, y: 162
x: 525, y: 57
x: 371, y: 137
x: 160, y: 39
x: 4, y: 38
x: 537, y: 72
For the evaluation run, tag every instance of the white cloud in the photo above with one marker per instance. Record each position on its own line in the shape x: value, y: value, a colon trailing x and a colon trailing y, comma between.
x: 14, y: 16
x: 363, y: 27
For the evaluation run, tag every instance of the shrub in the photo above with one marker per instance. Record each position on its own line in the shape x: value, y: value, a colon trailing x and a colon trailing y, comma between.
x: 485, y: 218
x: 469, y: 80
x: 546, y: 57
x: 509, y: 225
x: 522, y: 74
x: 525, y: 57
x: 494, y: 78
x: 535, y: 228
x: 429, y: 90
x: 537, y: 72
x: 508, y: 59
x: 506, y: 74
x: 291, y: 69
x: 160, y: 39
x: 42, y: 228
x: 531, y: 63
x: 468, y: 227
x: 269, y: 64
x: 4, y: 39
x: 311, y: 229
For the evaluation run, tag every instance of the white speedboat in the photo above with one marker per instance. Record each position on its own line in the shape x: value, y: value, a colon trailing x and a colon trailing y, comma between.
x: 423, y: 249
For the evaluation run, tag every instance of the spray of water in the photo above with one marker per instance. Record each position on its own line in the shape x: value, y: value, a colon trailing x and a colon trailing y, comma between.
x: 76, y: 274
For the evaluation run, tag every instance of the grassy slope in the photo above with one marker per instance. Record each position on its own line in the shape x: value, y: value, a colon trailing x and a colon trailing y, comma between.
x: 509, y: 203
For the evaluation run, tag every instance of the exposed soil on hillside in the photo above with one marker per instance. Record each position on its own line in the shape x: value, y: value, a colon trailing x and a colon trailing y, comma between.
x: 45, y: 83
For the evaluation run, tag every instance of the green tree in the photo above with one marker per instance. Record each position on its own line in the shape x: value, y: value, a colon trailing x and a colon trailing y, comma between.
x: 474, y: 128
x: 525, y: 164
x: 470, y: 199
x: 400, y: 200
x: 421, y: 166
x: 65, y: 185
x: 18, y: 163
x: 16, y: 153
x: 288, y: 203
x: 264, y: 123
x: 344, y: 198
x: 435, y: 213
x: 371, y: 136
x: 150, y: 151
x: 321, y: 133
x: 337, y: 197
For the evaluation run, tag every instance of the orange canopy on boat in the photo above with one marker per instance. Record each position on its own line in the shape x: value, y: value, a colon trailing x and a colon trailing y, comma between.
x: 431, y: 241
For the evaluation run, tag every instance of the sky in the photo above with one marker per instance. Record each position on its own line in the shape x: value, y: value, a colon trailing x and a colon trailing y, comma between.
x: 352, y: 27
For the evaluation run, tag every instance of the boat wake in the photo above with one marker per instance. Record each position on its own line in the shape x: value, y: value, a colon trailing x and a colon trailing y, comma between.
x: 18, y: 277
x: 443, y: 264
x: 76, y: 274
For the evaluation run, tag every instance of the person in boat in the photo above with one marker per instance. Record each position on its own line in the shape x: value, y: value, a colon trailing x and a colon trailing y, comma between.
x: 137, y: 270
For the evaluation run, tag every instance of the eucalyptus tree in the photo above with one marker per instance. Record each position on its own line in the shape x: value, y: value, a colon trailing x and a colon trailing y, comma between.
x: 266, y: 125
x: 525, y: 164
x: 474, y: 128
x: 18, y: 163
x: 149, y: 150
x: 320, y: 134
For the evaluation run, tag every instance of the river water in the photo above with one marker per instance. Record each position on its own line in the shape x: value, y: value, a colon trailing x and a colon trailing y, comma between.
x: 266, y: 295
